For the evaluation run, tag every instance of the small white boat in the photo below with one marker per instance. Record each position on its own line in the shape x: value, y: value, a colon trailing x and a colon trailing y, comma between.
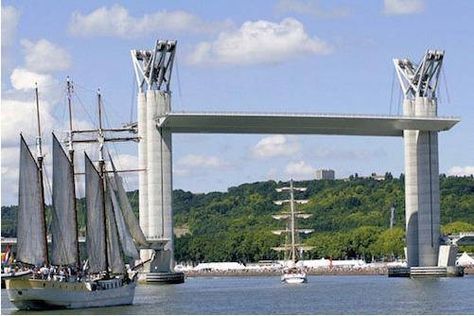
x: 294, y: 275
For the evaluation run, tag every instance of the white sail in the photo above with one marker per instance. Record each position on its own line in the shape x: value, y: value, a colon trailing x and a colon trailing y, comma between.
x: 31, y: 247
x: 128, y: 246
x: 130, y: 219
x: 63, y: 226
x: 292, y: 246
x: 114, y: 254
x: 95, y: 235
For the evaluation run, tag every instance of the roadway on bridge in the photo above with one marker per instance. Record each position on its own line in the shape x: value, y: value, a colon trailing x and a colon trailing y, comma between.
x: 300, y: 123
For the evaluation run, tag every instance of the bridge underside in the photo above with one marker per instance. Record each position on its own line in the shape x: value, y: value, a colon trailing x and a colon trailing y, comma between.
x: 325, y: 124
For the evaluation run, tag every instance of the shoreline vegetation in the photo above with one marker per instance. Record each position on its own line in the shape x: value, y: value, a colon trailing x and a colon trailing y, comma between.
x: 350, y: 218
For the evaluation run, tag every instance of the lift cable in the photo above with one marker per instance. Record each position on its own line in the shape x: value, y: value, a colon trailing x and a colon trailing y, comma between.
x: 445, y: 82
x: 391, y: 91
x: 180, y: 95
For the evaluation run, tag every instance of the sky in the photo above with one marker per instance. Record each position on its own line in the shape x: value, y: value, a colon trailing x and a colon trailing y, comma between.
x: 259, y: 56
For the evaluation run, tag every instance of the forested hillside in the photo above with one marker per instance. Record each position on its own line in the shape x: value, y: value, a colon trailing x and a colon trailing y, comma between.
x: 350, y: 218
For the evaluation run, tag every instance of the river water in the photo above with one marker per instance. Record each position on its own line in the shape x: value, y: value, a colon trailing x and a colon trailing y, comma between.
x: 321, y: 295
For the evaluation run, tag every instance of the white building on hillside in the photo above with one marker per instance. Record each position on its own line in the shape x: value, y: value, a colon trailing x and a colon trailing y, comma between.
x: 325, y: 174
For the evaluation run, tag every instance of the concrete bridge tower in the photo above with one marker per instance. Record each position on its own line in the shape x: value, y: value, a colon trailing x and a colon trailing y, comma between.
x: 153, y: 74
x: 422, y: 199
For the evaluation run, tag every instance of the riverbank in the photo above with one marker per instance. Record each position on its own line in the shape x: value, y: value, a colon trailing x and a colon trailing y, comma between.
x: 319, y: 271
x: 334, y: 271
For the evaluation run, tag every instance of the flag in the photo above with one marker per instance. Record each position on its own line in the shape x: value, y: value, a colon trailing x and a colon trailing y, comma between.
x: 7, y: 257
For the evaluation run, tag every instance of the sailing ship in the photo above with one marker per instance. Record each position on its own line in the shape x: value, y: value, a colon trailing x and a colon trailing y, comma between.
x: 293, y: 249
x: 112, y: 232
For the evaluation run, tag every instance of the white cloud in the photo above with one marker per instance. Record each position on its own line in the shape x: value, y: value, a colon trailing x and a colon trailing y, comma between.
x: 259, y: 42
x: 18, y: 109
x: 117, y: 22
x: 299, y: 170
x: 396, y: 7
x: 275, y: 146
x: 198, y: 165
x: 200, y: 161
x: 24, y: 79
x: 349, y: 154
x: 310, y: 8
x: 19, y: 116
x: 461, y: 171
x: 44, y: 56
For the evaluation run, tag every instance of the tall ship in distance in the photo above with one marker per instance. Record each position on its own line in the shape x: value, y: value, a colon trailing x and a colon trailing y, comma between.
x: 60, y: 279
x: 293, y: 249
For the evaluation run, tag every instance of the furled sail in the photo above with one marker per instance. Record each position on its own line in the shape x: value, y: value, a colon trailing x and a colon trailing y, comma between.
x: 130, y: 219
x: 95, y: 234
x: 128, y: 246
x: 63, y: 225
x: 116, y: 263
x: 31, y: 247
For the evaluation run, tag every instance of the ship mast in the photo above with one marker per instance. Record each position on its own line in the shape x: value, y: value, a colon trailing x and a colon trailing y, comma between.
x: 71, y: 158
x: 39, y: 158
x: 101, y: 139
x: 102, y: 173
x: 291, y: 250
x: 292, y: 208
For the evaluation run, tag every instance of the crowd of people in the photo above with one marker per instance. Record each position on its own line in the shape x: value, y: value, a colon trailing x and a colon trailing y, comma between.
x: 58, y: 273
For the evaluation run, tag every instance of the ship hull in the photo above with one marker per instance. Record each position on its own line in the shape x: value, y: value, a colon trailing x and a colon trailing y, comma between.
x: 295, y: 278
x: 43, y: 295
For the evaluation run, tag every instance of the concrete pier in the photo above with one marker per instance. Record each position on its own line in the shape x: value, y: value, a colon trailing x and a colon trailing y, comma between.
x: 411, y: 188
x: 142, y: 165
x: 153, y: 75
x: 421, y: 187
x: 159, y: 173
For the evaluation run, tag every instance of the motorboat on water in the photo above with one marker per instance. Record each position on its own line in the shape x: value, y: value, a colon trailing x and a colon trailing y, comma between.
x: 294, y: 275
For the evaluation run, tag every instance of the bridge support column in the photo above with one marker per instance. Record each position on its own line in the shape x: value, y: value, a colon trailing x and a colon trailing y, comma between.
x: 142, y: 165
x: 419, y: 83
x: 159, y: 173
x: 153, y: 74
x: 411, y: 189
x: 422, y: 204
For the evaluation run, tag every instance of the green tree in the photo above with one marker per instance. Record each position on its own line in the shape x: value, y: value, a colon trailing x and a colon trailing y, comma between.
x: 457, y: 227
x: 390, y: 243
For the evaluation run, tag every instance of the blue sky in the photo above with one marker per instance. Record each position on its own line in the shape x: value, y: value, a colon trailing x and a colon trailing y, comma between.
x: 284, y: 56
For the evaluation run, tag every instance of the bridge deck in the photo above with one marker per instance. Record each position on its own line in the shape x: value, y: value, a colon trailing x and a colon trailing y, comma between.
x: 295, y: 123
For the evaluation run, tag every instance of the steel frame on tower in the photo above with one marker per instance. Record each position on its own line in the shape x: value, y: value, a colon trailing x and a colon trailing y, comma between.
x: 153, y: 67
x: 420, y: 80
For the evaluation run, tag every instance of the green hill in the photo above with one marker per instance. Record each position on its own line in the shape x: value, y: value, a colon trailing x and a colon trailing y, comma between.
x: 350, y: 218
